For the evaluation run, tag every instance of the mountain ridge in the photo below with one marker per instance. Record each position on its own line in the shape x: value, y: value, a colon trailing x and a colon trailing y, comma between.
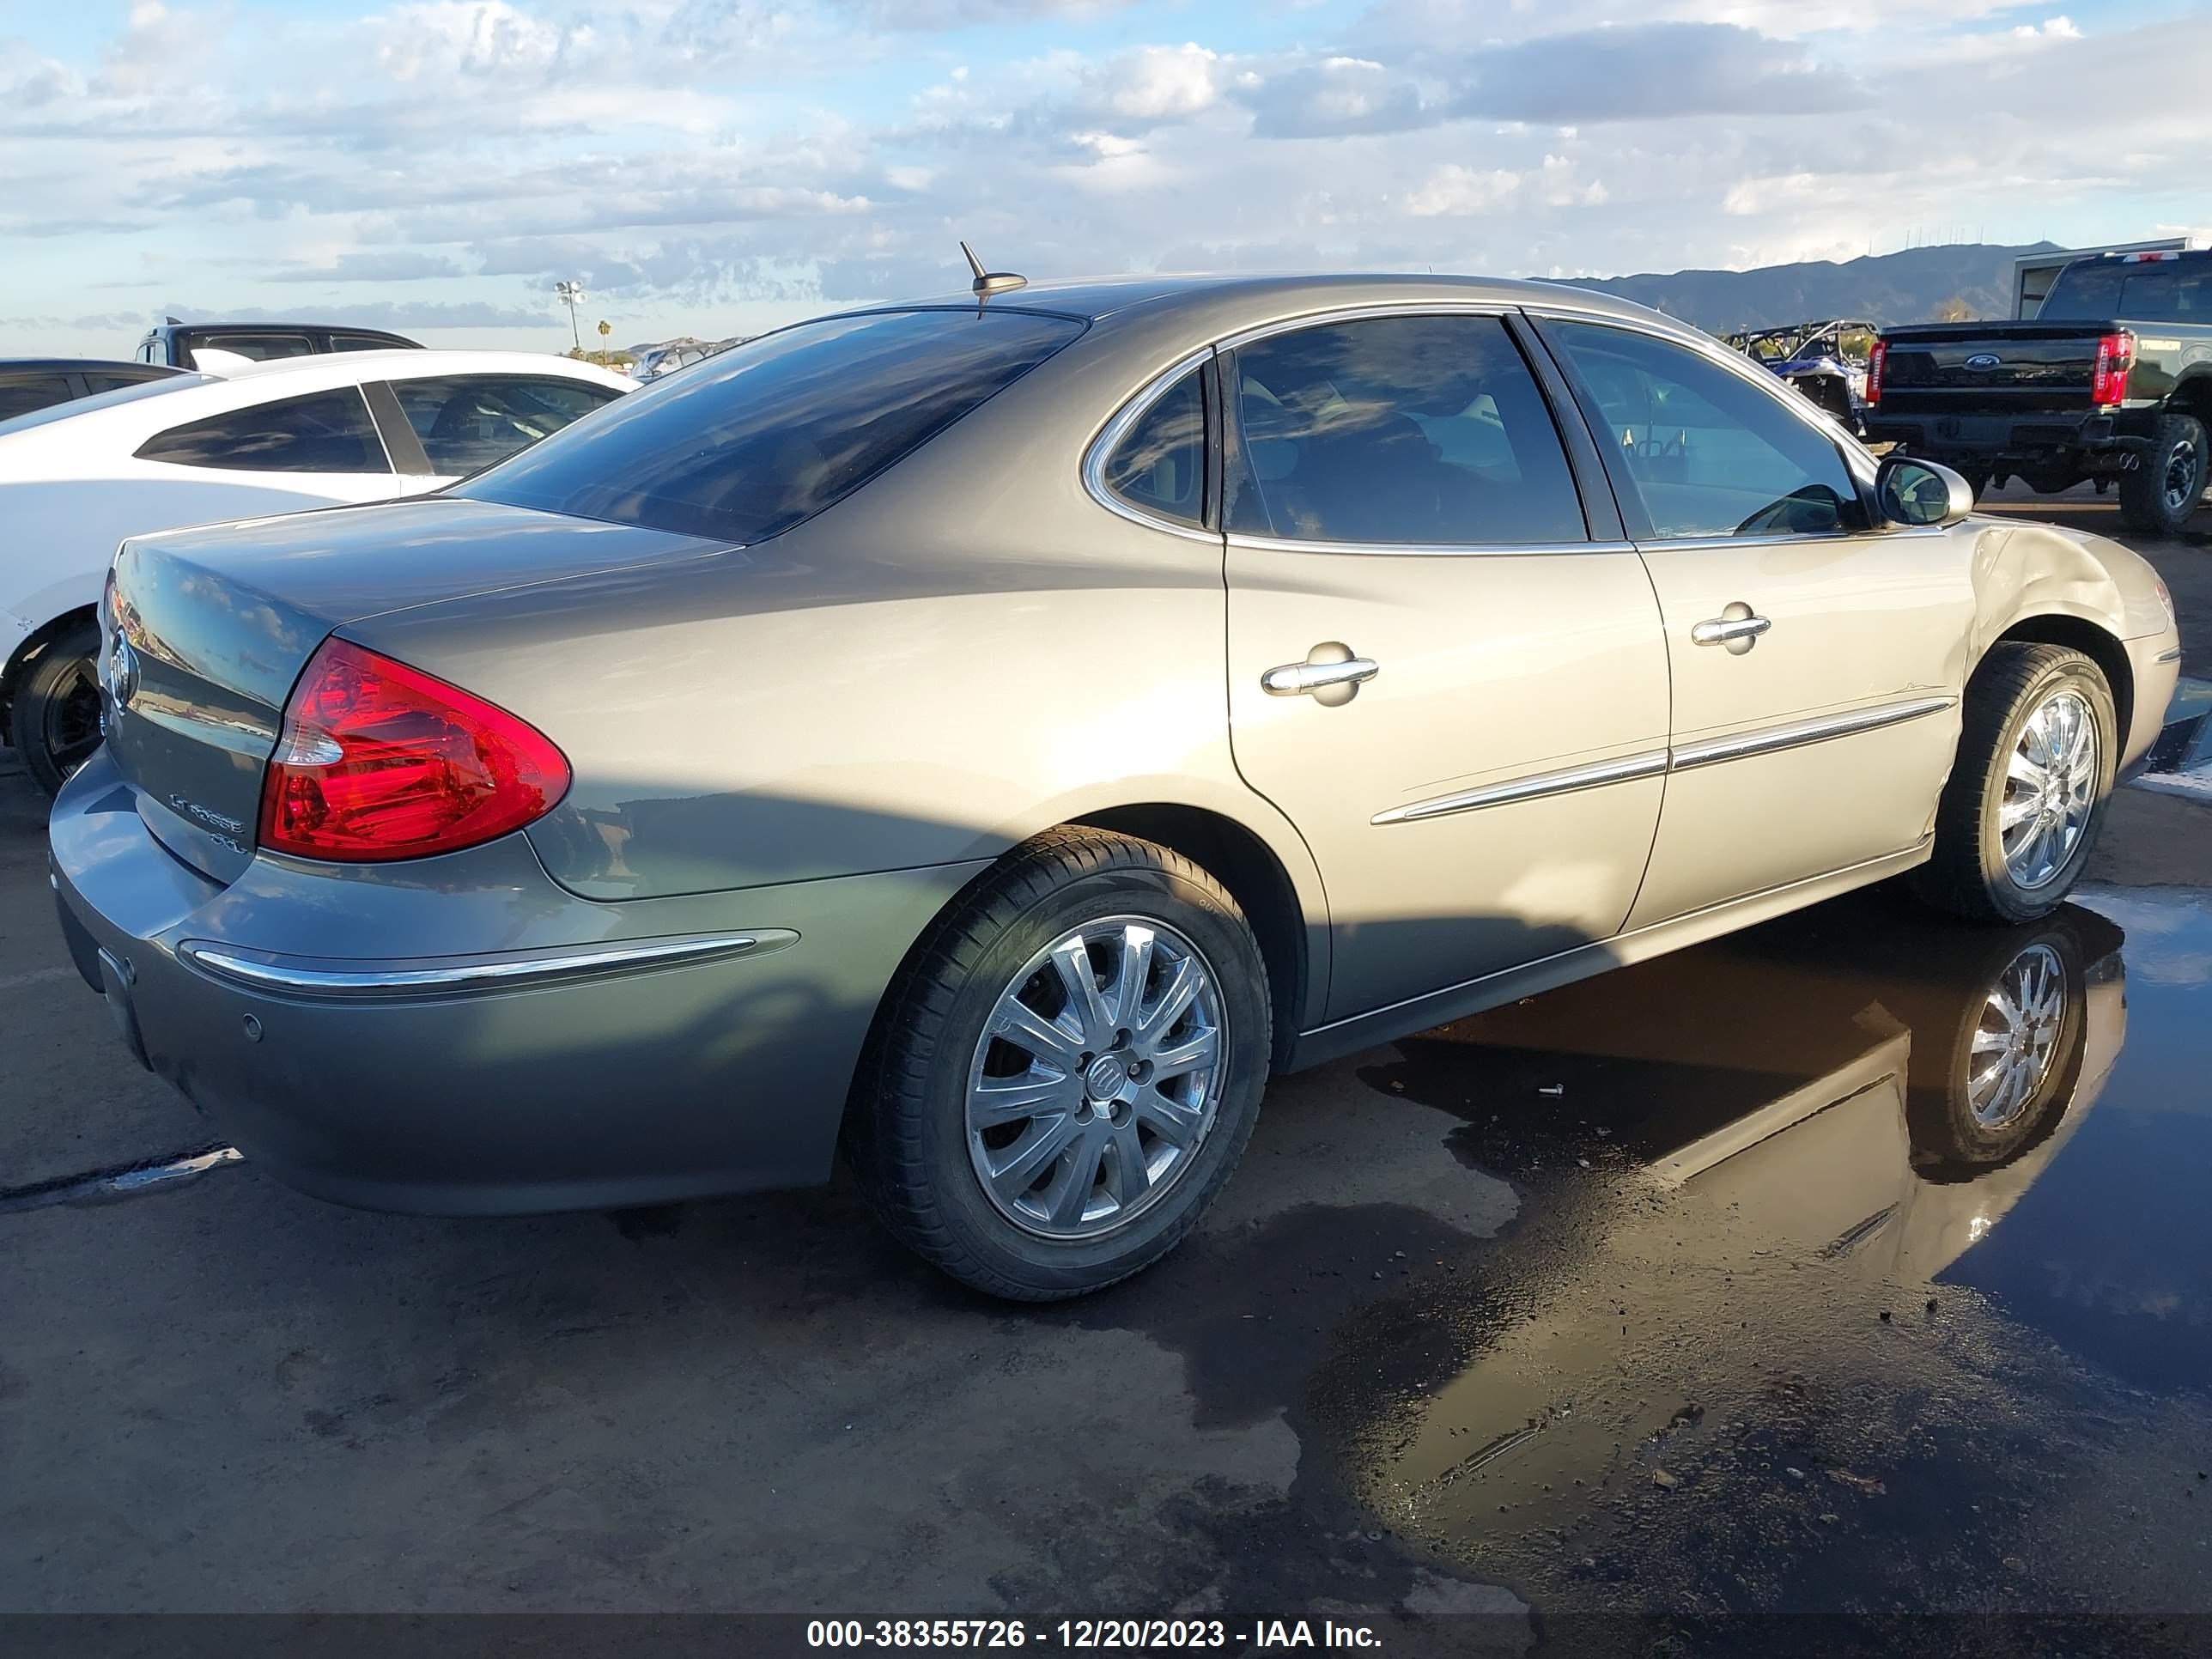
x: 1905, y: 287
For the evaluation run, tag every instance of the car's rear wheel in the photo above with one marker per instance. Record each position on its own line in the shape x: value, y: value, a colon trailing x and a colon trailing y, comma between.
x: 2160, y: 496
x: 55, y: 718
x: 2038, y: 748
x: 1063, y: 1079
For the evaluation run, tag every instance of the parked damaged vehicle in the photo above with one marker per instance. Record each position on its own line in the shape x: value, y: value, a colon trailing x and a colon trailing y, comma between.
x: 991, y: 735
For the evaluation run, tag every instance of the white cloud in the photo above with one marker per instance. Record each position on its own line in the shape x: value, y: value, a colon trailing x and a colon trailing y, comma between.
x: 742, y: 155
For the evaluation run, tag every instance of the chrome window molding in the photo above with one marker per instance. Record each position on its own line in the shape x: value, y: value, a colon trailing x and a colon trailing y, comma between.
x: 1371, y: 309
x: 1713, y: 543
x: 1523, y: 549
x: 504, y: 973
x: 1798, y: 733
x: 1650, y: 764
x: 1109, y: 437
x: 1654, y: 762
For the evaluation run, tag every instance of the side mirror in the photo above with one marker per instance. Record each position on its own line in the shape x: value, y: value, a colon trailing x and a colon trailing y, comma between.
x: 1911, y: 491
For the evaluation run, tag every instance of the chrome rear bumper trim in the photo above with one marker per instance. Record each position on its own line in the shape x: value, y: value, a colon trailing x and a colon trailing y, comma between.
x: 506, y: 973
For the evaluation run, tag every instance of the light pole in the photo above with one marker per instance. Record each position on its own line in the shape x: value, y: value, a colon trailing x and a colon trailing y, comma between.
x: 572, y: 295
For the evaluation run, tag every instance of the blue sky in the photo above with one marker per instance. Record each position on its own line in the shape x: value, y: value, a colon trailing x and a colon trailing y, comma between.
x: 715, y: 167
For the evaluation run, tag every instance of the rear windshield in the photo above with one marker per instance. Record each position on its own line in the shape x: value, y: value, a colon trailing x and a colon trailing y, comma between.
x: 745, y: 444
x: 2145, y: 291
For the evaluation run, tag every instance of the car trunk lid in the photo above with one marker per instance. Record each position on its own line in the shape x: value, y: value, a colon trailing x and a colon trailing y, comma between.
x: 204, y: 632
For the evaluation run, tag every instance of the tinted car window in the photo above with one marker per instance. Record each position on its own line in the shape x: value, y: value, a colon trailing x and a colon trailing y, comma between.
x: 96, y: 381
x: 1710, y: 453
x: 21, y: 393
x: 1159, y: 465
x: 259, y: 347
x: 2151, y: 291
x: 470, y: 422
x: 323, y: 432
x: 764, y: 435
x: 1399, y: 429
x: 363, y: 342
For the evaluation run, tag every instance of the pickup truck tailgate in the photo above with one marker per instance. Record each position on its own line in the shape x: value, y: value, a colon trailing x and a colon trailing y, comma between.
x: 1989, y: 368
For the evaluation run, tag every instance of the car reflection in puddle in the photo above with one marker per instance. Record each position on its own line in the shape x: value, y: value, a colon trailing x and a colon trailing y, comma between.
x: 1752, y: 1344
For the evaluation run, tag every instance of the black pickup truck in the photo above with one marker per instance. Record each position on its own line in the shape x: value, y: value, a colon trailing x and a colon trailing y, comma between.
x: 2112, y: 381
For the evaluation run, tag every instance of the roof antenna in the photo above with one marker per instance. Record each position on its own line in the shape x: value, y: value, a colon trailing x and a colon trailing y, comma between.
x: 988, y: 282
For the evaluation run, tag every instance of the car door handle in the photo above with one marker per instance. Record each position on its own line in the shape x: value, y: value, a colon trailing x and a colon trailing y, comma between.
x: 1736, y: 627
x: 1319, y: 673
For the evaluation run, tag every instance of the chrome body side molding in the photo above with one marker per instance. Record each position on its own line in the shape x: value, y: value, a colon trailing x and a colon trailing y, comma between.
x: 1649, y: 764
x: 1739, y: 745
x: 1710, y: 752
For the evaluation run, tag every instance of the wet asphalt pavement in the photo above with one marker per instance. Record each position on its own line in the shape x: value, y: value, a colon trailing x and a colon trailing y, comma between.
x: 1614, y: 1320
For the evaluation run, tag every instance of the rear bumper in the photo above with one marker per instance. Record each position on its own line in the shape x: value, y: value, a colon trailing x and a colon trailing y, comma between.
x: 2093, y: 440
x: 467, y: 1038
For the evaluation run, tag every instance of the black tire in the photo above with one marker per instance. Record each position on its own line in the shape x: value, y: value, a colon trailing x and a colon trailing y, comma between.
x: 56, y: 717
x: 1950, y: 1141
x: 1966, y: 875
x: 2162, y: 494
x: 906, y: 1133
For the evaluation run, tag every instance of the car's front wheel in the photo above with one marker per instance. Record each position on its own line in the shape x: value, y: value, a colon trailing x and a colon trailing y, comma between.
x: 2038, y: 749
x: 56, y: 718
x: 1063, y: 1080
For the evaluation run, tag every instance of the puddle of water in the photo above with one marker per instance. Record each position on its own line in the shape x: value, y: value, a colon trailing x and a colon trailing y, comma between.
x: 1839, y: 1230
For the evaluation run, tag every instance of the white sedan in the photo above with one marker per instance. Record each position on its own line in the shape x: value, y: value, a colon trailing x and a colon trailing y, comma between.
x: 260, y: 439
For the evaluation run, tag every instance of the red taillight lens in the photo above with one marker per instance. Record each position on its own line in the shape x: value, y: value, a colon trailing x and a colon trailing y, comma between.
x: 380, y: 761
x: 1874, y: 359
x: 2116, y: 356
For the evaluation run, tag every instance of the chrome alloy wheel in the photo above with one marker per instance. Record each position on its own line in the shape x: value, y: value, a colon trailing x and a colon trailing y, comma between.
x: 2049, y: 790
x: 2018, y: 1038
x: 2182, y: 486
x: 1096, y: 1079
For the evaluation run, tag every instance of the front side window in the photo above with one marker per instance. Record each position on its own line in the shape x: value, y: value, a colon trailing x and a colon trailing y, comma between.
x: 322, y: 432
x: 1417, y: 430
x: 1159, y: 465
x: 1706, y: 451
x: 743, y: 446
x: 467, y: 423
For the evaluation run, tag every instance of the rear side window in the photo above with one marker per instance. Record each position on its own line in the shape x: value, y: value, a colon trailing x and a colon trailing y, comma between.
x: 769, y: 432
x: 470, y: 422
x: 1414, y: 430
x: 363, y: 343
x: 21, y: 393
x: 323, y: 432
x: 1159, y: 465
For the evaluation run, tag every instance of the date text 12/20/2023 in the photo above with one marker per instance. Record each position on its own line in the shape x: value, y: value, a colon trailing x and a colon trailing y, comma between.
x: 1084, y: 1634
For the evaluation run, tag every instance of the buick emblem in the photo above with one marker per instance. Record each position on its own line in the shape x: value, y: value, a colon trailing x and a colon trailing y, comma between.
x: 121, y: 679
x: 1984, y: 359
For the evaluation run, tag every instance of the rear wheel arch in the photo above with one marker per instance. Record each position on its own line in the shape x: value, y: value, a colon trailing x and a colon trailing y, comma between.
x: 28, y: 651
x: 2192, y: 395
x: 1241, y: 861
